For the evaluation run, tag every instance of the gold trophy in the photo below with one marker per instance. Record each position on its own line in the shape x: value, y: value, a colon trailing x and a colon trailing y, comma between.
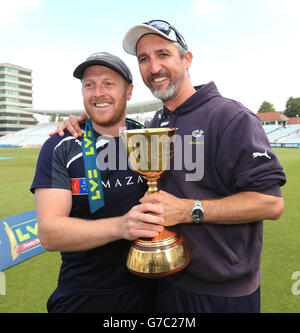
x: 150, y: 151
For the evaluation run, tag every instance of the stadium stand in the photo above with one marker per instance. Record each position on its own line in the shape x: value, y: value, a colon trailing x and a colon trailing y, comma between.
x: 281, y: 130
x: 271, y: 128
x: 283, y: 134
x: 36, y: 135
x: 33, y: 136
x: 280, y: 134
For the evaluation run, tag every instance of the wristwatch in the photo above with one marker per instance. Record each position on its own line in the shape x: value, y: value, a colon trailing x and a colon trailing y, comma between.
x: 197, y: 212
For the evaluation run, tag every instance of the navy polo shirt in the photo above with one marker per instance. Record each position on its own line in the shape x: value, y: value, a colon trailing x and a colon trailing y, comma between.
x: 60, y: 165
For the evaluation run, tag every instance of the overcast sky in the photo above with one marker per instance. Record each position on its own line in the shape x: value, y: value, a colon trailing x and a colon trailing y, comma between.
x: 249, y: 48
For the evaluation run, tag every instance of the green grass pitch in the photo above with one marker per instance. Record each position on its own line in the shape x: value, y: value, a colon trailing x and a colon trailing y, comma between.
x: 30, y: 283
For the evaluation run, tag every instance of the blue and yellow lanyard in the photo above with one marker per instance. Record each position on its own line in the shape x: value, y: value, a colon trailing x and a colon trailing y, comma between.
x: 92, y: 173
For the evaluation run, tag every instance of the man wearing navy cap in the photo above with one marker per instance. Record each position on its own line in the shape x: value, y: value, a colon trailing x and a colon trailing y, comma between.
x: 83, y: 212
x: 219, y: 211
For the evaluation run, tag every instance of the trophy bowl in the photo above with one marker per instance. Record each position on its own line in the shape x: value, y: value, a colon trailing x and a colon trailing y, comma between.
x: 150, y: 151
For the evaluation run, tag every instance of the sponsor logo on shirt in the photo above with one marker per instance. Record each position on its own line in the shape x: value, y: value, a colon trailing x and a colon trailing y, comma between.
x: 257, y: 154
x: 79, y: 184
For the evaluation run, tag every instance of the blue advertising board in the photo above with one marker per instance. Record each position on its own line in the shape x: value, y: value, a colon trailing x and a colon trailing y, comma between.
x: 18, y: 239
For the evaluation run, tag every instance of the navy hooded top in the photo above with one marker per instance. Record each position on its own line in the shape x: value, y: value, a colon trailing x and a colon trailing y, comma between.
x: 235, y: 156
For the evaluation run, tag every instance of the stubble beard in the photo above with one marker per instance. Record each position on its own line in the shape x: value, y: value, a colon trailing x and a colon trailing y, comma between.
x: 169, y: 93
x: 165, y: 95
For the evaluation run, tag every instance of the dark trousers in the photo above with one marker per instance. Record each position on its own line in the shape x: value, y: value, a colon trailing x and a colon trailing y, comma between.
x: 173, y: 300
x: 164, y: 299
x: 131, y: 300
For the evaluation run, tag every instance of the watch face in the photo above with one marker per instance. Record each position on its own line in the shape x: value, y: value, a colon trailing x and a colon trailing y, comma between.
x: 197, y: 214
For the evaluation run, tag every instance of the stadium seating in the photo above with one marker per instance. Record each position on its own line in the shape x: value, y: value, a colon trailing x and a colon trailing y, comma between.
x: 38, y: 134
x: 271, y: 128
x: 280, y: 134
x: 31, y: 136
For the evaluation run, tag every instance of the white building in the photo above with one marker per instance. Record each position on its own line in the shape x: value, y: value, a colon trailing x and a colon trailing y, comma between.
x: 15, y: 97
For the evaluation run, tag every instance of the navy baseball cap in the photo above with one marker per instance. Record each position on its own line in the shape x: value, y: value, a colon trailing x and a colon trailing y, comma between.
x: 158, y: 27
x: 104, y: 59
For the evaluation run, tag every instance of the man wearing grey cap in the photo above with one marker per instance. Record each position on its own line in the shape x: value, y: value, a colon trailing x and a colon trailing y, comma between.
x: 220, y: 213
x: 89, y: 215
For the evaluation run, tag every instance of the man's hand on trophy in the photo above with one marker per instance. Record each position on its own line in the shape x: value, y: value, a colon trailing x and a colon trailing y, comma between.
x: 143, y: 220
x: 175, y: 210
x: 72, y: 125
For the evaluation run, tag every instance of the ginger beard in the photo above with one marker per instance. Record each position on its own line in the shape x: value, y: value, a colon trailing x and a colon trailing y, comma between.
x: 108, y: 112
x: 105, y: 95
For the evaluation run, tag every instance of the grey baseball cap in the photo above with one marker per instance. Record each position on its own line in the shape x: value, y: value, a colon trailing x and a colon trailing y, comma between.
x: 158, y: 27
x: 104, y: 59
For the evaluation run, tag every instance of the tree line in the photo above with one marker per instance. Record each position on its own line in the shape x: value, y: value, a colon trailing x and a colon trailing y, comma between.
x: 292, y: 107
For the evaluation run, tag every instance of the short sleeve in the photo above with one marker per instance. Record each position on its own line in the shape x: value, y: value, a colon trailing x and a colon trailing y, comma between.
x: 51, y: 170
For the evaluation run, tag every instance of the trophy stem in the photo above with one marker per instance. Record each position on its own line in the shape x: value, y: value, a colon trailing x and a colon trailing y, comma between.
x: 152, y: 185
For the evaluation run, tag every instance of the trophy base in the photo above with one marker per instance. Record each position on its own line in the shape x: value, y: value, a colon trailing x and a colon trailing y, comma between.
x: 151, y: 259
